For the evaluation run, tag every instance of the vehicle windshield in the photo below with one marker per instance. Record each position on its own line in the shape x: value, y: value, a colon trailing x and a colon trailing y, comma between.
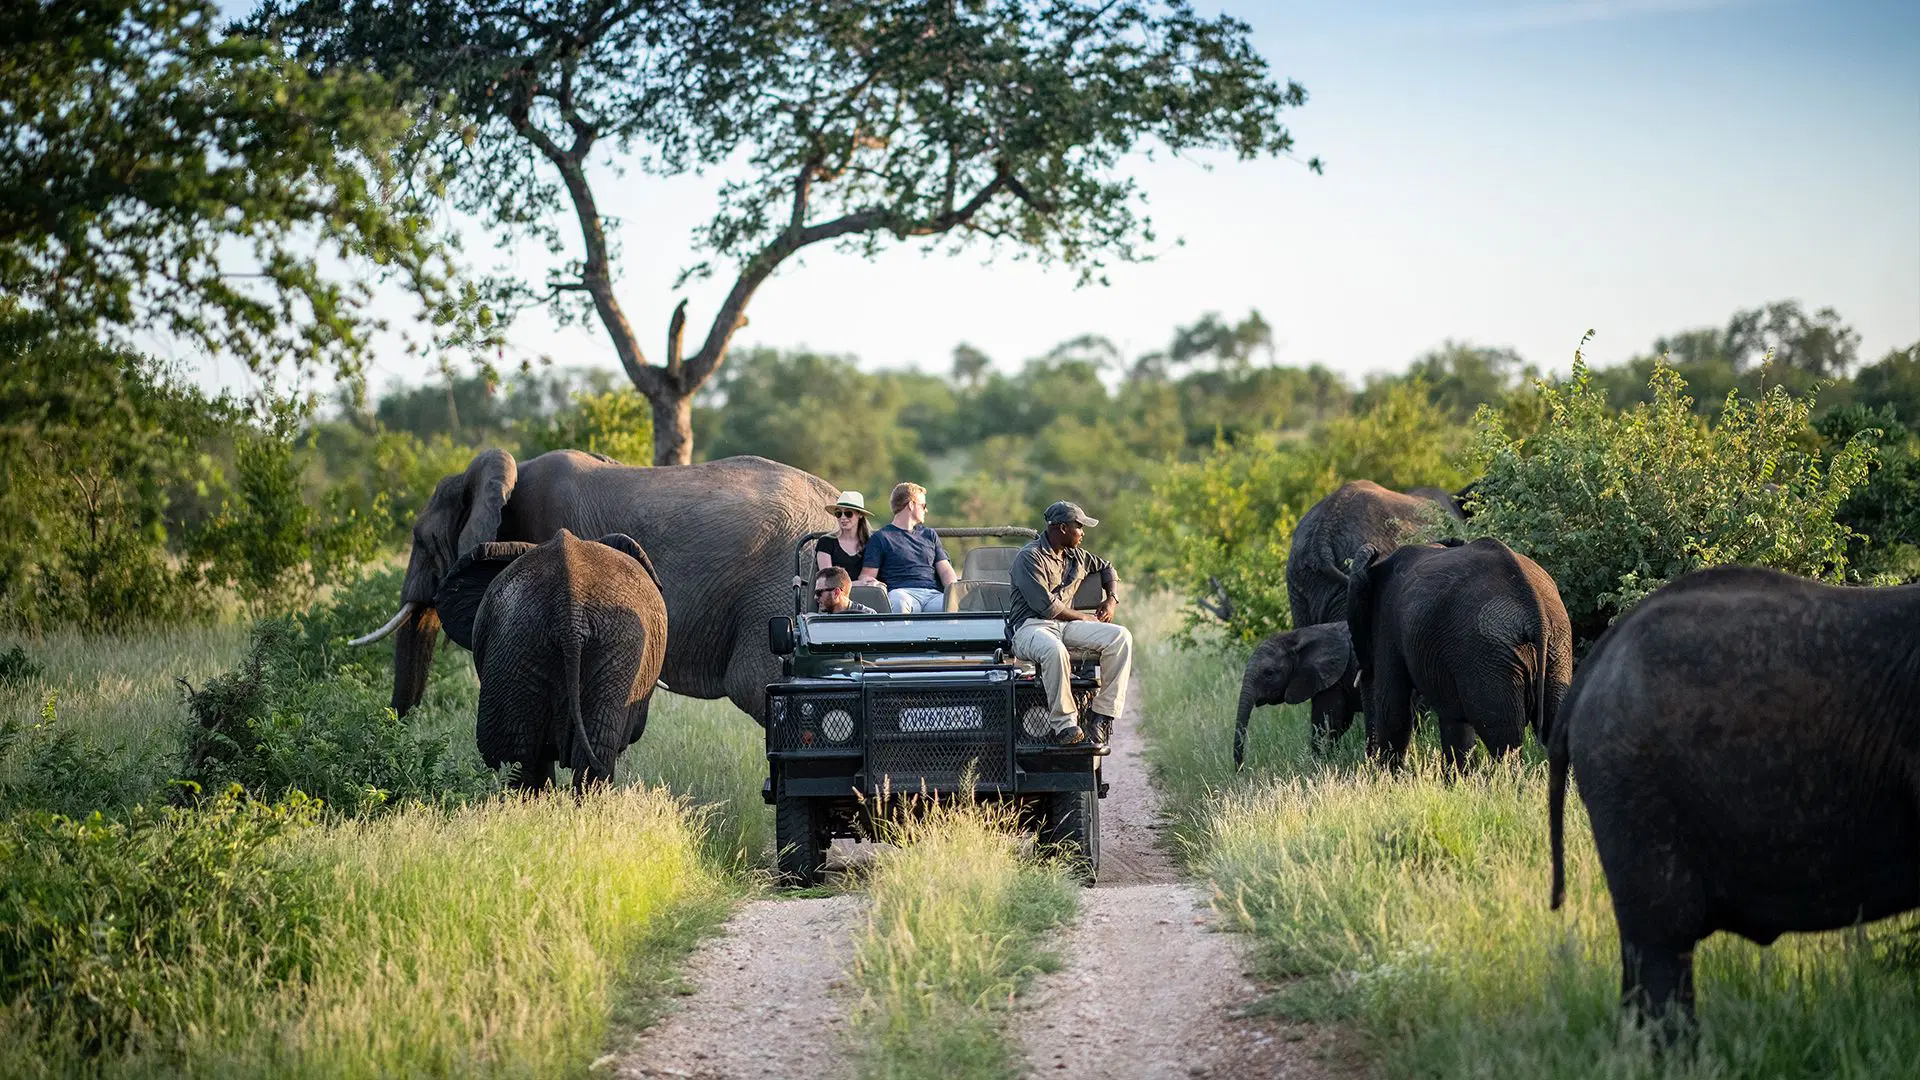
x: 985, y: 629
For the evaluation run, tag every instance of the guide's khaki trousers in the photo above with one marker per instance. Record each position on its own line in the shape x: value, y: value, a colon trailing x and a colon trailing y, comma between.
x: 1050, y: 644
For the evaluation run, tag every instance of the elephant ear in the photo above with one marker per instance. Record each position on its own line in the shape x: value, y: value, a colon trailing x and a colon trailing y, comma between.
x: 1361, y: 582
x: 458, y: 598
x: 1324, y: 655
x: 630, y: 547
x: 490, y: 480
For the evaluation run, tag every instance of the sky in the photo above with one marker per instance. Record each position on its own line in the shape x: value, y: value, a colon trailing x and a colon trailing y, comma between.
x: 1505, y: 172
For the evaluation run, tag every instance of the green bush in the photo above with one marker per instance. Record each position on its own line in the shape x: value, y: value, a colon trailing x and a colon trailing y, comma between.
x: 16, y: 667
x: 56, y: 767
x: 283, y: 721
x: 1223, y: 524
x: 1616, y: 504
x: 1884, y: 512
x: 110, y: 931
x: 614, y: 423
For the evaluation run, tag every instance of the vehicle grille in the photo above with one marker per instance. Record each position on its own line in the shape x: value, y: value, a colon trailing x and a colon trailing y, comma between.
x: 796, y: 721
x: 934, y: 733
x: 1033, y: 696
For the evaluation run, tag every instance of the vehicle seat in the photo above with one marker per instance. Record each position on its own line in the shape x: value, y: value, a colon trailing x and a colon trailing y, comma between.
x: 988, y: 564
x: 969, y: 594
x: 871, y: 593
x: 1087, y: 596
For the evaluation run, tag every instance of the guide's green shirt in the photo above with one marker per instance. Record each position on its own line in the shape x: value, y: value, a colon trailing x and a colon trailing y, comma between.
x: 1044, y: 580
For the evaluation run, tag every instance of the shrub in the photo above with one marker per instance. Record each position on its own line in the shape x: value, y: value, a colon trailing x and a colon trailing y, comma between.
x: 1614, y: 505
x: 56, y: 767
x: 1222, y: 525
x: 110, y: 931
x: 16, y: 667
x: 281, y: 723
x: 1884, y: 512
x: 614, y: 423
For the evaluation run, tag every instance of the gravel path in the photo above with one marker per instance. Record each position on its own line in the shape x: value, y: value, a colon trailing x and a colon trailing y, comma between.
x: 767, y: 998
x: 1150, y: 988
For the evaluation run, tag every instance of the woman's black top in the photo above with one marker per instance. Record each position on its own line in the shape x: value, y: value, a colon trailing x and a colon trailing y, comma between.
x: 839, y: 557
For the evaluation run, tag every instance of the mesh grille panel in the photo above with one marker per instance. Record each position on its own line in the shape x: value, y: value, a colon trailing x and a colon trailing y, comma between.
x: 934, y: 733
x: 797, y: 720
x: 1028, y: 697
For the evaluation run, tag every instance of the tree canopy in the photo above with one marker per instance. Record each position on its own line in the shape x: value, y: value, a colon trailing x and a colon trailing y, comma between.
x: 1003, y: 123
x: 159, y: 174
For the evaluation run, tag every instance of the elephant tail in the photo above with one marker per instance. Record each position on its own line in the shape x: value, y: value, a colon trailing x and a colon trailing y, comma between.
x: 583, y: 747
x: 1240, y: 720
x: 1556, y: 815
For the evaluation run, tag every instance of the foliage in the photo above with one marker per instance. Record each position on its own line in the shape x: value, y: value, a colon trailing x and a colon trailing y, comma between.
x: 1883, y: 512
x: 144, y: 151
x: 16, y: 667
x: 96, y: 447
x: 1460, y: 378
x: 58, y: 767
x: 1614, y: 505
x: 1001, y: 123
x: 1893, y: 381
x: 960, y: 925
x: 1777, y: 344
x: 110, y: 930
x: 613, y: 423
x: 275, y: 725
x: 1224, y: 523
x: 818, y: 413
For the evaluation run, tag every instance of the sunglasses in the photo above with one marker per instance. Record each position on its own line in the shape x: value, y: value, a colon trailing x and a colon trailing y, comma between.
x: 846, y: 513
x: 824, y: 592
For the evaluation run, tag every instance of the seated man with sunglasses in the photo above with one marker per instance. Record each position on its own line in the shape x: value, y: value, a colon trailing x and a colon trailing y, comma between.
x: 832, y: 594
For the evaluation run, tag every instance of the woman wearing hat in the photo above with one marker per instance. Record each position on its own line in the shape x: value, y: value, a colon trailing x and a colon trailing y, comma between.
x: 847, y: 549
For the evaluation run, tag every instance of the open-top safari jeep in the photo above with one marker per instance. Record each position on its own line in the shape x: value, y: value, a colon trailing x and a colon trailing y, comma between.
x: 874, y: 711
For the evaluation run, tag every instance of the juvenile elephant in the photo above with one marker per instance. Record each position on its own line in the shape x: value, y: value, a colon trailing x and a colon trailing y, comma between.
x: 1359, y: 514
x: 1476, y: 629
x: 721, y: 532
x: 1289, y: 668
x: 568, y: 638
x: 1748, y: 747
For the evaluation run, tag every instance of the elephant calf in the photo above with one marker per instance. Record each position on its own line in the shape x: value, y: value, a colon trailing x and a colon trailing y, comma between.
x: 1313, y: 662
x: 1476, y: 630
x: 1748, y: 748
x: 568, y: 638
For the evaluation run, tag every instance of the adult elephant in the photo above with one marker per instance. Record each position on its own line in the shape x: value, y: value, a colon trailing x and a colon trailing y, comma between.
x: 720, y: 533
x: 1359, y: 514
x: 1475, y: 629
x: 567, y: 638
x: 1748, y: 748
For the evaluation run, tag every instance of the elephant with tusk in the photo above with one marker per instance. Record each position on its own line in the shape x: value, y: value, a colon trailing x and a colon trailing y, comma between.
x: 720, y: 534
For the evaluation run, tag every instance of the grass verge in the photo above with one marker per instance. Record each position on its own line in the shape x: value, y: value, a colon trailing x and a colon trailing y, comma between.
x: 1412, y: 909
x: 960, y: 923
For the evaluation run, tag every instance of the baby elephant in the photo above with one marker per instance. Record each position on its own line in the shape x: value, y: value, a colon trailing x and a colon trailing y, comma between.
x: 1313, y: 662
x: 1748, y: 747
x: 567, y: 638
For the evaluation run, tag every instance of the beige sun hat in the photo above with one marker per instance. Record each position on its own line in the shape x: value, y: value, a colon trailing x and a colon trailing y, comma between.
x: 851, y: 500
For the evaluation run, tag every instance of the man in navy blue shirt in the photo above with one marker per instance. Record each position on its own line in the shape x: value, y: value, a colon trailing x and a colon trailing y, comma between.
x: 906, y: 556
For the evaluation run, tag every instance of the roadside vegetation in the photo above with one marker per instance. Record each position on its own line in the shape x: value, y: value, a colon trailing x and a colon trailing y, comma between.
x: 961, y: 920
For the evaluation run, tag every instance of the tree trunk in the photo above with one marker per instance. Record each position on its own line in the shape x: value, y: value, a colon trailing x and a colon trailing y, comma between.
x: 672, y: 427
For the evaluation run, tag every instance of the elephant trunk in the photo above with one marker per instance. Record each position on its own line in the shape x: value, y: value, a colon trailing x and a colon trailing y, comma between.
x: 1240, y: 721
x: 413, y: 656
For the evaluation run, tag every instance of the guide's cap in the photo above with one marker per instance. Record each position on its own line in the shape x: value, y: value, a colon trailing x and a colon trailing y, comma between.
x: 1062, y: 512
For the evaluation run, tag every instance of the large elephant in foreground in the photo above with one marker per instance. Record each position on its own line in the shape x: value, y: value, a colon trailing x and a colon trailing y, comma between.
x: 567, y: 638
x: 720, y: 533
x: 1476, y: 630
x: 1359, y: 514
x: 1748, y: 747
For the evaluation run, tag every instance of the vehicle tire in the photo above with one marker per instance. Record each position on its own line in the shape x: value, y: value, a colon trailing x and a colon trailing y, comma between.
x: 1070, y: 830
x: 799, y: 833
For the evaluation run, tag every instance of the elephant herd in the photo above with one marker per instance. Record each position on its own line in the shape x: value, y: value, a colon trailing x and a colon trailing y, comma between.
x: 1747, y: 743
x: 570, y: 635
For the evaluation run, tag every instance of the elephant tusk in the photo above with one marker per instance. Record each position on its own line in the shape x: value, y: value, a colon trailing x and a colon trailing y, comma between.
x: 393, y: 624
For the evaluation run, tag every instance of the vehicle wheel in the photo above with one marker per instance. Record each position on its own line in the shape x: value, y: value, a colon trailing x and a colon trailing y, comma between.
x: 1070, y: 829
x: 799, y: 832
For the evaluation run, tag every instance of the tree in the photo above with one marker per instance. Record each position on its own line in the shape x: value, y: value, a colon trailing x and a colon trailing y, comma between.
x: 1002, y: 123
x: 143, y: 153
x: 1460, y: 377
x: 969, y: 364
x: 1894, y: 380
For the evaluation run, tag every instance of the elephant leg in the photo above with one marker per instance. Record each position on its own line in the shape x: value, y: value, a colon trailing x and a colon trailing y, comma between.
x: 1501, y: 717
x: 1332, y: 716
x: 637, y: 719
x: 535, y: 774
x: 1456, y: 739
x: 1656, y: 987
x: 748, y: 673
x: 1390, y: 713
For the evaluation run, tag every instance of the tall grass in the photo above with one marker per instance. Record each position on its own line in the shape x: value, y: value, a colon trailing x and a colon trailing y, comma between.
x: 960, y: 923
x: 1413, y: 909
x: 495, y: 940
x: 716, y: 756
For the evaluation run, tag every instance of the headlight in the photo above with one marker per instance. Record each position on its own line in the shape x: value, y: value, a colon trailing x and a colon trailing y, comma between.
x: 1035, y: 721
x: 837, y: 725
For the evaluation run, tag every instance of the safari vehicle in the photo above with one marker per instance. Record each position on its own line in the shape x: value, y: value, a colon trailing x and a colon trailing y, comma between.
x: 874, y: 711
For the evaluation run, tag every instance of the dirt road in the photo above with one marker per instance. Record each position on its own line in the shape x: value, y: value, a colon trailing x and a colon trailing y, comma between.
x: 1151, y: 989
